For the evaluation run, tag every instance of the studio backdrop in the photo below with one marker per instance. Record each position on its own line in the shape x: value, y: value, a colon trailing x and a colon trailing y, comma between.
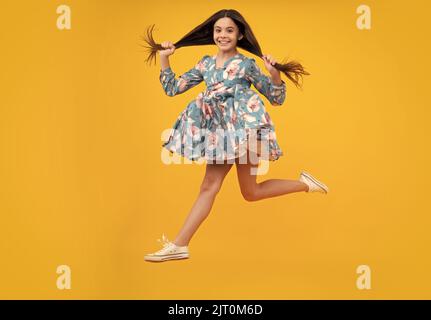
x: 85, y: 193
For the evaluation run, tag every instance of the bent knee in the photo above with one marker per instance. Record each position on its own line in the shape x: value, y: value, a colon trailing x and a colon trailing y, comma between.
x: 250, y: 195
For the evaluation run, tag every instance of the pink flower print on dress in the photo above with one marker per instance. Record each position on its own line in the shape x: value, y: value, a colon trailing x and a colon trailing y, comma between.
x: 234, y: 117
x: 194, y: 130
x: 198, y: 100
x: 201, y: 66
x: 268, y: 119
x: 182, y: 84
x: 253, y: 104
x: 277, y: 92
x: 249, y: 118
x: 218, y: 88
x: 230, y: 127
x: 222, y: 107
x: 259, y: 85
x: 231, y: 70
x: 206, y: 109
x: 212, y: 140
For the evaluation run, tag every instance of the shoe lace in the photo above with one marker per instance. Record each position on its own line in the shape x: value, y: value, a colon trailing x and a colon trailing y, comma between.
x: 164, y: 241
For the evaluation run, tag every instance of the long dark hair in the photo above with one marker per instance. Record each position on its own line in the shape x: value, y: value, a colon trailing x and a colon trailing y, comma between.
x: 203, y: 35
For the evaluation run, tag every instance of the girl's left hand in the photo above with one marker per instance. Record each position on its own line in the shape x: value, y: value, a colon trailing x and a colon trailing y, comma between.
x: 269, y: 65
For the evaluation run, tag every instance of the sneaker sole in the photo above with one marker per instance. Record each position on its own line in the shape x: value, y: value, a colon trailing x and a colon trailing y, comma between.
x: 320, y: 184
x: 165, y: 258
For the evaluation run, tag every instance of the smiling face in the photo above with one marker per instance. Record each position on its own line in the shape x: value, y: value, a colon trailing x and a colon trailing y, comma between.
x: 226, y: 34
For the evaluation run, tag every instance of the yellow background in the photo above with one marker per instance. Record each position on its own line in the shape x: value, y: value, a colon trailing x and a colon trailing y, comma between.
x: 82, y: 182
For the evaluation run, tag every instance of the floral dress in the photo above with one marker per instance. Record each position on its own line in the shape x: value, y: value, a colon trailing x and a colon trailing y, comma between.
x: 220, y: 121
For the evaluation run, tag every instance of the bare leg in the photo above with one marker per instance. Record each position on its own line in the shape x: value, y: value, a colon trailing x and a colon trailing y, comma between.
x: 211, y: 184
x: 253, y: 191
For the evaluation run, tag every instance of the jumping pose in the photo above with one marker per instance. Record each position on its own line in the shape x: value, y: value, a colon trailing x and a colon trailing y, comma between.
x: 227, y: 123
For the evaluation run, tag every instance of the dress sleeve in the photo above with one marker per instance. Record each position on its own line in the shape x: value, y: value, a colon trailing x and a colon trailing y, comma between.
x: 173, y: 86
x: 275, y: 94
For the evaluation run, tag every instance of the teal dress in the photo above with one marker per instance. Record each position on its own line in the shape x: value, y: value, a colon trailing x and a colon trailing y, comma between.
x: 218, y: 124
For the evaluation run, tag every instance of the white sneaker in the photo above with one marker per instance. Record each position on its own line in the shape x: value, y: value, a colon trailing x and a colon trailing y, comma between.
x: 170, y: 251
x: 313, y: 184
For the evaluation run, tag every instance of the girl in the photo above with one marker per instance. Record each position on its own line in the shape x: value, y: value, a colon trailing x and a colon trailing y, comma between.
x: 222, y: 123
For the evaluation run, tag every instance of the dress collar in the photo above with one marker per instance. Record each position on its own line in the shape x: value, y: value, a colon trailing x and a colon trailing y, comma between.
x: 214, y: 57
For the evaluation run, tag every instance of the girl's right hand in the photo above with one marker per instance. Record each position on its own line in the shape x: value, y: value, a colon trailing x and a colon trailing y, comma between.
x: 170, y: 49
